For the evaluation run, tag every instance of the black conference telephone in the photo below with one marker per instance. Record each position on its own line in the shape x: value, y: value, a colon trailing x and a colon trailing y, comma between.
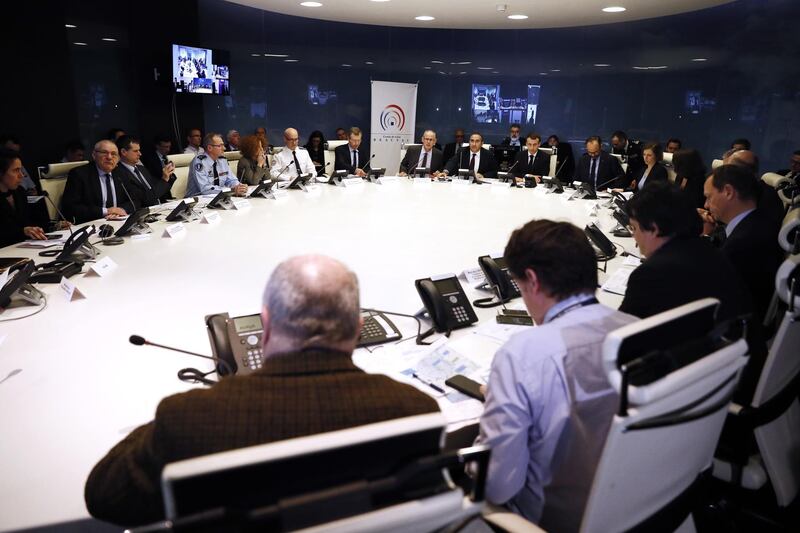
x: 377, y: 329
x: 17, y: 289
x: 496, y: 271
x: 237, y: 341
x: 300, y: 181
x: 445, y: 302
x: 53, y: 271
x: 262, y: 190
x: 182, y: 211
x: 221, y: 201
x: 601, y: 242
x: 135, y: 224
x: 77, y: 246
x: 375, y: 174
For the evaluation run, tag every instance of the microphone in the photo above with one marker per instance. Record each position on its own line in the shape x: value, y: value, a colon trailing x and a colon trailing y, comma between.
x: 138, y: 340
x: 282, y: 171
x: 63, y: 218
x: 368, y: 162
x: 604, y: 183
x: 133, y: 205
x: 559, y: 169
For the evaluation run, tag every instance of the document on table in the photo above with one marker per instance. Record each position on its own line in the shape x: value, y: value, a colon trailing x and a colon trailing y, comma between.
x: 618, y: 282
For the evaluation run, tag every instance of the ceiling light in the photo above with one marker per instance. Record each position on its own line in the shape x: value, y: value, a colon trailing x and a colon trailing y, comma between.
x: 70, y: 26
x: 495, y: 72
x: 80, y: 44
x: 291, y: 60
x: 555, y: 70
x: 659, y: 67
x: 437, y: 62
x: 639, y: 68
x: 699, y: 59
x: 424, y: 18
x: 346, y: 65
x: 602, y: 65
x: 613, y: 9
x: 464, y: 63
x: 256, y: 55
x: 485, y: 68
x: 276, y: 55
x: 427, y: 68
x: 543, y: 74
x: 462, y: 72
x: 368, y: 63
x: 518, y: 17
x: 311, y: 4
x: 109, y: 39
x: 443, y: 73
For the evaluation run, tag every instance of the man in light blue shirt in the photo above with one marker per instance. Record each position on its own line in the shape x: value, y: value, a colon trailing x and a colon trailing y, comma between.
x: 209, y: 172
x: 548, y: 403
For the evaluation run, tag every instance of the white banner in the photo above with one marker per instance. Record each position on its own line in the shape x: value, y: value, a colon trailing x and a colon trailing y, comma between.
x: 394, y: 117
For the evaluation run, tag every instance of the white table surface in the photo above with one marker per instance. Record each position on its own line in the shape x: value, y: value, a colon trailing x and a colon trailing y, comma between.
x: 81, y: 387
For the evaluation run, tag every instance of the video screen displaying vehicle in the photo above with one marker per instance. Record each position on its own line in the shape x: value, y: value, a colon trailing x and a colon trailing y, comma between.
x: 200, y: 70
x: 318, y: 97
x: 491, y: 106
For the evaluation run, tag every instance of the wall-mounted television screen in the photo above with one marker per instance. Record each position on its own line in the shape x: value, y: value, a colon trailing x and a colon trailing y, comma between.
x: 491, y: 106
x: 200, y: 70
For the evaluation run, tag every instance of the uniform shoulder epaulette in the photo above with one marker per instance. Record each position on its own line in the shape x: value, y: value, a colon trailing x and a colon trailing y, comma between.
x: 202, y: 156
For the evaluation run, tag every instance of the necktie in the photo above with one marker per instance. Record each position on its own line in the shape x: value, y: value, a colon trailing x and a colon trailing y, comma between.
x: 296, y: 163
x: 216, y: 174
x: 593, y: 170
x: 424, y: 160
x: 472, y: 164
x: 355, y: 159
x: 530, y: 162
x: 141, y: 177
x: 164, y: 161
x: 109, y: 194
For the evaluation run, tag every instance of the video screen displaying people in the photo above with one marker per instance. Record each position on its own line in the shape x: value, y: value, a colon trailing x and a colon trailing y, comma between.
x: 320, y: 97
x: 200, y: 70
x: 491, y: 106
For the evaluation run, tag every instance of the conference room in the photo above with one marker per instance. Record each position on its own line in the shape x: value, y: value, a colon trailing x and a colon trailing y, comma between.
x: 400, y: 266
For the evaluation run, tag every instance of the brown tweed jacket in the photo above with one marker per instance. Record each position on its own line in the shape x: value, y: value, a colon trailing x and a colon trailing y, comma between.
x: 293, y: 395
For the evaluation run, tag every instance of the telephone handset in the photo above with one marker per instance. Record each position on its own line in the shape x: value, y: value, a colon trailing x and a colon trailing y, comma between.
x: 237, y: 341
x: 77, y: 245
x: 496, y: 271
x: 17, y: 289
x: 601, y: 242
x: 445, y: 302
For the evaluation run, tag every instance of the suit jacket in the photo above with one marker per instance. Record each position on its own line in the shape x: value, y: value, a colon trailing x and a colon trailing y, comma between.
x: 682, y: 271
x: 541, y: 164
x: 151, y: 160
x: 317, y: 156
x: 486, y: 167
x: 147, y: 196
x: 82, y: 200
x: 507, y: 142
x: 343, y: 153
x: 657, y: 175
x: 565, y: 161
x: 752, y: 248
x: 635, y: 160
x: 449, y: 151
x: 409, y: 162
x: 770, y: 203
x: 12, y: 220
x: 609, y: 173
x: 293, y: 395
x: 248, y: 171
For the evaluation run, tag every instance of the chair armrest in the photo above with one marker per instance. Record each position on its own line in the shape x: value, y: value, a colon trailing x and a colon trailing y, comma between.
x: 508, y: 521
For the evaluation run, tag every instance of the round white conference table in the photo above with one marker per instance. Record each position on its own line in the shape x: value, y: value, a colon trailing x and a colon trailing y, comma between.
x: 72, y: 386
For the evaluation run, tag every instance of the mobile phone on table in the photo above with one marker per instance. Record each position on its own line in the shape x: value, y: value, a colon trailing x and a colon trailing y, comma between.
x: 468, y: 386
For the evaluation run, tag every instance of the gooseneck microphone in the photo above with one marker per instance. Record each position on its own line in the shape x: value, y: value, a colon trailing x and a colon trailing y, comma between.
x: 290, y: 163
x: 63, y: 218
x: 368, y: 163
x: 138, y: 340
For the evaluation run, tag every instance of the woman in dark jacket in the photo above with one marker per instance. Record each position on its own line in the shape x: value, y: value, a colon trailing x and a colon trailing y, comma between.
x: 316, y: 150
x: 690, y: 174
x: 653, y: 171
x: 15, y: 220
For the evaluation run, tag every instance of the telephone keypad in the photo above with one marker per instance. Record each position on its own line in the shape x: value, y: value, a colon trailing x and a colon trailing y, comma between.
x: 460, y: 313
x: 254, y: 359
x: 371, y: 330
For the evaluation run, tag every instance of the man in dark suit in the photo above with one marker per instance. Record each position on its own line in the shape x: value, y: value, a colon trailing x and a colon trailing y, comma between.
x: 679, y: 265
x: 478, y: 160
x: 149, y: 189
x: 631, y: 152
x: 351, y: 156
x: 598, y: 169
x: 156, y: 160
x: 768, y: 200
x: 308, y: 384
x: 531, y: 160
x: 99, y: 189
x: 450, y: 149
x: 425, y: 156
x: 565, y: 161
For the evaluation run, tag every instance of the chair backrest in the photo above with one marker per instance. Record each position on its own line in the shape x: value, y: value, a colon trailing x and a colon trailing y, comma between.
x: 53, y: 180
x: 716, y: 163
x: 779, y: 440
x: 620, y: 158
x: 182, y: 165
x: 773, y: 180
x: 330, y: 156
x: 233, y: 156
x: 404, y: 148
x: 789, y: 234
x: 675, y: 375
x: 317, y: 479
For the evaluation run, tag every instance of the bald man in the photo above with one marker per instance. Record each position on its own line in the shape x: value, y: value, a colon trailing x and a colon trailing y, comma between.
x: 293, y: 160
x: 768, y: 200
x: 308, y: 384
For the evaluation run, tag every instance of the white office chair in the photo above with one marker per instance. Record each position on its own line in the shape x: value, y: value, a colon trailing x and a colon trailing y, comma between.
x: 773, y: 180
x: 716, y: 163
x: 789, y: 234
x: 404, y: 149
x: 53, y: 180
x: 330, y: 156
x: 774, y: 414
x: 387, y: 476
x: 675, y: 373
x: 622, y: 161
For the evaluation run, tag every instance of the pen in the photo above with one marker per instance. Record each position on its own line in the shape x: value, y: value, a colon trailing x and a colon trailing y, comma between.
x: 431, y: 385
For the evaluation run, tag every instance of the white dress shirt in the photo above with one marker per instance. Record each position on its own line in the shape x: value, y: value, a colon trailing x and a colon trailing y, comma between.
x: 194, y: 151
x: 284, y: 160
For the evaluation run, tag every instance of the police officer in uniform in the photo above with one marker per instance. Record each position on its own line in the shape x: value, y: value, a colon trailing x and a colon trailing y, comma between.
x: 210, y: 172
x: 293, y: 160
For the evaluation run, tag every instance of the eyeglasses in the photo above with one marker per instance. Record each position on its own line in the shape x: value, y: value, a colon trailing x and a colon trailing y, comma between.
x: 295, y: 139
x: 106, y: 152
x: 217, y: 145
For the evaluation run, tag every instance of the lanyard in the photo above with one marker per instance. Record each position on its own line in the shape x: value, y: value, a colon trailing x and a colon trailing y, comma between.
x: 590, y: 301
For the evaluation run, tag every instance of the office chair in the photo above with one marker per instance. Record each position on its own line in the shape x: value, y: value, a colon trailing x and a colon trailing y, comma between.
x: 675, y: 374
x: 330, y: 156
x: 387, y: 476
x: 773, y: 417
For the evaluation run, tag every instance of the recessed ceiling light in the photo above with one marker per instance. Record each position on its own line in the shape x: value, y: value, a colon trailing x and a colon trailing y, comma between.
x: 443, y: 73
x: 602, y: 65
x: 311, y: 4
x: 256, y: 55
x: 639, y: 68
x: 424, y: 18
x: 462, y: 72
x: 518, y: 17
x: 346, y: 65
x: 614, y: 9
x: 291, y: 60
x: 70, y: 26
x: 555, y: 70
x: 699, y: 59
x: 368, y: 63
x: 276, y: 55
x: 80, y: 44
x: 437, y: 62
x: 485, y: 68
x: 427, y: 68
x: 659, y: 67
x: 543, y: 74
x: 495, y: 72
x: 463, y: 63
x: 109, y: 39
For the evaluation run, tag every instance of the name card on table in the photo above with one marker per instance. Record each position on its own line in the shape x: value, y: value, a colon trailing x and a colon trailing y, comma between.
x: 141, y: 237
x: 241, y: 203
x: 474, y: 276
x: 353, y: 182
x: 314, y: 189
x: 385, y: 180
x: 423, y: 182
x: 102, y: 268
x: 70, y: 290
x: 173, y: 230
x: 211, y: 218
x: 277, y: 194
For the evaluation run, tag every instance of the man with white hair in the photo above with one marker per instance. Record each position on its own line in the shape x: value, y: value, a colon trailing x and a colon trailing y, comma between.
x: 308, y: 384
x: 293, y: 160
x: 232, y: 141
